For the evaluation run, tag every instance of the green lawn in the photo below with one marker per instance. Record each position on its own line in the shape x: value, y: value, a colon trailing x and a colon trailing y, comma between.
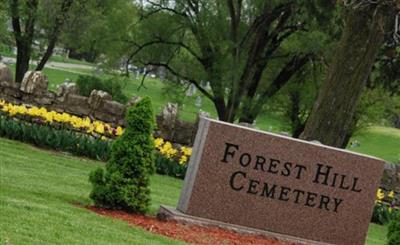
x: 55, y: 58
x: 39, y: 191
x: 62, y: 59
x: 381, y: 142
x: 376, y: 235
x: 55, y: 76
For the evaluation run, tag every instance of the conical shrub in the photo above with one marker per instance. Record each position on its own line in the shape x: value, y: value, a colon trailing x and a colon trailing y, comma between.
x: 125, y: 182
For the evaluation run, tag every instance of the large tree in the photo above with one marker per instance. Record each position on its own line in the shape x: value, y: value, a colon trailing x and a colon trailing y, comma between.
x: 54, y: 14
x: 28, y: 18
x: 366, y: 24
x: 243, y: 48
x: 100, y: 26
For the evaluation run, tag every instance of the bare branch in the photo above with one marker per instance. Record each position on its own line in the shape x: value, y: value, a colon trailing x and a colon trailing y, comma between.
x: 161, y: 7
x: 264, y: 20
x: 183, y: 77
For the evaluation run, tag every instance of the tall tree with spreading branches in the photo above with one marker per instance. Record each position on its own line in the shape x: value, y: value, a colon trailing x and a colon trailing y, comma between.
x: 241, y: 47
x: 25, y: 17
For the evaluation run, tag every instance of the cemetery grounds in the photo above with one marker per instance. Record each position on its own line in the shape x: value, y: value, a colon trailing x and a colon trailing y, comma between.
x: 43, y: 193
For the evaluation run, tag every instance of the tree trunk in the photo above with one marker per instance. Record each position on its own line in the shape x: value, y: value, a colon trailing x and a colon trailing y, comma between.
x: 23, y: 36
x: 297, y: 125
x: 22, y: 64
x: 253, y: 108
x: 333, y: 112
x: 47, y: 54
x: 58, y: 23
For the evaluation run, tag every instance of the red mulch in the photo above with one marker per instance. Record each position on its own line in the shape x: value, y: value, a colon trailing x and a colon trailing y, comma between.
x: 189, y: 233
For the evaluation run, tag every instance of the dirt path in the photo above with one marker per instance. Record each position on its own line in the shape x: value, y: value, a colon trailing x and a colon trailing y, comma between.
x: 53, y: 64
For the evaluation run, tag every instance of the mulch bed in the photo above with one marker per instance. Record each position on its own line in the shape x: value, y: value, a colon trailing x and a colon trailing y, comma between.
x: 189, y: 233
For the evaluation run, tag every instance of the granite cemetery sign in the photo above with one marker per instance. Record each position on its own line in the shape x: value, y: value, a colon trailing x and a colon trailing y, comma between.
x: 264, y: 181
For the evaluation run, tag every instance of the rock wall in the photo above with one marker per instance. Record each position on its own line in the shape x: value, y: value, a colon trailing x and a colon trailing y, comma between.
x: 98, y: 106
x: 33, y: 91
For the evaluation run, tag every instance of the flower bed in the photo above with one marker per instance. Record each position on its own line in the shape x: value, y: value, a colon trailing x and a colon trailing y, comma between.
x: 384, y: 209
x: 61, y: 139
x: 42, y: 115
x: 80, y: 136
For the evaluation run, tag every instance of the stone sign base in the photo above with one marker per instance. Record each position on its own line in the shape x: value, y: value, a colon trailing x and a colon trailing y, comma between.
x: 169, y: 213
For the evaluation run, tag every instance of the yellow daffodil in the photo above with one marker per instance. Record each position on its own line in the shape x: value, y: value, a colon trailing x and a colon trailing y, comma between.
x: 391, y: 194
x: 186, y: 151
x: 183, y: 159
x: 380, y: 195
x: 158, y: 142
x: 99, y: 128
x: 119, y: 131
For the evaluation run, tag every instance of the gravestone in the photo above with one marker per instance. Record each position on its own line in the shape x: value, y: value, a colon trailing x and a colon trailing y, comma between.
x: 252, y: 179
x: 191, y: 90
x: 197, y: 102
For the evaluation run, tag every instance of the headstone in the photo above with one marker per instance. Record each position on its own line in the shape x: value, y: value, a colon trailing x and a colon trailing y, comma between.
x: 197, y: 103
x: 208, y: 86
x: 133, y: 100
x: 201, y: 114
x: 97, y: 71
x: 170, y: 114
x: 167, y: 121
x: 274, y: 183
x: 5, y: 74
x: 191, y: 90
x: 34, y: 82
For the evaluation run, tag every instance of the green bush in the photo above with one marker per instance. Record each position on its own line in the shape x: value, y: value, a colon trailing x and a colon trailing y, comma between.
x: 168, y: 167
x: 394, y: 230
x: 86, y: 84
x: 62, y: 139
x: 125, y: 182
x: 113, y: 86
x: 381, y: 214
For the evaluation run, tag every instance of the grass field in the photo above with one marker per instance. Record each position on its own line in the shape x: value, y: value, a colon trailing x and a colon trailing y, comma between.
x: 40, y: 190
x: 381, y: 142
x: 39, y: 193
x: 55, y: 58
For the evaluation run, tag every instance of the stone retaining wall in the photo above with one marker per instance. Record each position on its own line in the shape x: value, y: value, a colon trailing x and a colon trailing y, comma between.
x: 98, y: 106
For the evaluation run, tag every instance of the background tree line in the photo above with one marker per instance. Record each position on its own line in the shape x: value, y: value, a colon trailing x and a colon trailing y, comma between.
x: 255, y: 54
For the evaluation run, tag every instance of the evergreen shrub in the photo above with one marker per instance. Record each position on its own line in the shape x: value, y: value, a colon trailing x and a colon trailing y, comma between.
x: 124, y: 184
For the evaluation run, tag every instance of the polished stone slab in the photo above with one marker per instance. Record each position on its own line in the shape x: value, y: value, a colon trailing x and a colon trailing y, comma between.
x: 274, y: 183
